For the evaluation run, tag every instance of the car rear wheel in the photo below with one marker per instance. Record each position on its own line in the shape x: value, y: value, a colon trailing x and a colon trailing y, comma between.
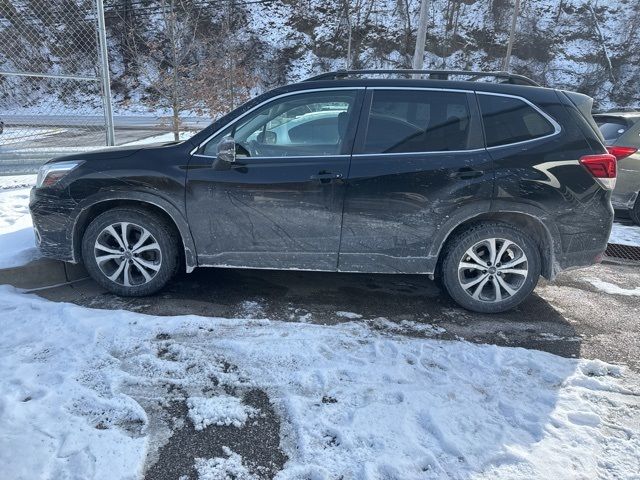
x: 130, y: 252
x: 491, y: 268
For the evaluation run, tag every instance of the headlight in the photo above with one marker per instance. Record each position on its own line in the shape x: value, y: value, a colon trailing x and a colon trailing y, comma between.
x: 51, y: 173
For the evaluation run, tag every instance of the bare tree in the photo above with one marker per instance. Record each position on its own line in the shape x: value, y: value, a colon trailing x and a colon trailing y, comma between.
x: 168, y: 57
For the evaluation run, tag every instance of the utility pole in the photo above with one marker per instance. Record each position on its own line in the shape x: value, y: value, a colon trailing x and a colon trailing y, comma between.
x: 421, y: 37
x: 347, y: 16
x: 104, y: 74
x: 512, y: 33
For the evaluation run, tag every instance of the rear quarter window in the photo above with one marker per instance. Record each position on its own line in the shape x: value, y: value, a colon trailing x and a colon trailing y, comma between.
x: 511, y: 120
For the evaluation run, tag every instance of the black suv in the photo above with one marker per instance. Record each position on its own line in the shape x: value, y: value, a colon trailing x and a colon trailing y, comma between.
x: 485, y: 185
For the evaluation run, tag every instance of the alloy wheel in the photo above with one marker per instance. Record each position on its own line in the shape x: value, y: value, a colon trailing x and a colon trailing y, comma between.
x: 493, y: 270
x: 127, y: 254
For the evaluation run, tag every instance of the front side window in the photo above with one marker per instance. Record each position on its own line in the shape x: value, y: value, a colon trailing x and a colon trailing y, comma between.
x: 305, y: 124
x: 404, y: 121
x: 511, y: 120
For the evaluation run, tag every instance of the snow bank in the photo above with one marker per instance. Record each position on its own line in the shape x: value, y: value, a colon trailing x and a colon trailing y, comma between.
x: 354, y: 402
x: 17, y: 240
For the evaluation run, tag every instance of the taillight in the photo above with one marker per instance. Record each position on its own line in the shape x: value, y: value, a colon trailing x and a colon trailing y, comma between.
x: 603, y: 167
x: 621, y: 152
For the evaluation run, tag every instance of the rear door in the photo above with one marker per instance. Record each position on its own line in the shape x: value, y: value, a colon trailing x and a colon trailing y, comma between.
x: 280, y: 204
x: 418, y: 166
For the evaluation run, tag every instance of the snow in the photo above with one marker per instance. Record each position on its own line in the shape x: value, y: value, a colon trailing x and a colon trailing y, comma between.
x: 406, y: 408
x: 625, y: 234
x: 17, y: 181
x: 230, y: 468
x: 163, y: 138
x: 223, y: 410
x: 17, y: 240
x: 350, y: 315
x: 612, y: 288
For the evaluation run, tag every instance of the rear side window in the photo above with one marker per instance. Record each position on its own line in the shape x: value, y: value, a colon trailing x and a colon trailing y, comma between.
x: 510, y: 120
x: 611, y: 128
x: 404, y: 121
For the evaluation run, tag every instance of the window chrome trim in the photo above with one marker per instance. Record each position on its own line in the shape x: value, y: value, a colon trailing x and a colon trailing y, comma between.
x: 429, y: 152
x: 268, y: 100
x: 281, y: 157
x: 556, y: 126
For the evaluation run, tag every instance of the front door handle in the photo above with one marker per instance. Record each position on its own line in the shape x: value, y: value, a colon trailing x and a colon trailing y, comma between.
x: 326, y: 177
x: 466, y: 173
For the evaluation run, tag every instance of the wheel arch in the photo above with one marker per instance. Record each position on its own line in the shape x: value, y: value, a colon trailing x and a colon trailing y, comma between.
x: 89, y: 210
x: 540, y: 231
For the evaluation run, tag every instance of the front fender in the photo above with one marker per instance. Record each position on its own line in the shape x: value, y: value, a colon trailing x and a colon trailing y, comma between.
x: 85, y: 206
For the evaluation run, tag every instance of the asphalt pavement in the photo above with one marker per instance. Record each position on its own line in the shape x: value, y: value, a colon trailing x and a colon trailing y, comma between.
x: 570, y: 317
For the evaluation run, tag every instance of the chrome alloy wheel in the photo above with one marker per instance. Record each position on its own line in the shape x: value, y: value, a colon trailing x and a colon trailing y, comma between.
x: 127, y: 254
x: 493, y: 270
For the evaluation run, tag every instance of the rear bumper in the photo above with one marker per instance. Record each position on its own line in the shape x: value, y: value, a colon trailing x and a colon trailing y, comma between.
x: 52, y: 218
x: 624, y: 200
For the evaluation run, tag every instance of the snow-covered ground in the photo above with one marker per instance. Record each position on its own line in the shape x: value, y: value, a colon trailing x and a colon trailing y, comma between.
x: 162, y: 138
x: 353, y: 402
x: 625, y: 234
x: 17, y: 240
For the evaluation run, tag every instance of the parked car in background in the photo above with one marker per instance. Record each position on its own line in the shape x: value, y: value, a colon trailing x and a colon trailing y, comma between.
x: 485, y: 185
x: 621, y: 131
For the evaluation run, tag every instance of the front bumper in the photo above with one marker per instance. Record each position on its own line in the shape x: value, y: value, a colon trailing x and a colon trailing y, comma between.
x: 53, y: 221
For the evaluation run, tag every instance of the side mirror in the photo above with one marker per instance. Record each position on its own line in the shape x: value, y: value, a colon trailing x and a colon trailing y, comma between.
x: 227, y: 150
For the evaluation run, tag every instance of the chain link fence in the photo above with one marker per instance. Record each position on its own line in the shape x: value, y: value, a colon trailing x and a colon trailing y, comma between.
x: 54, y: 87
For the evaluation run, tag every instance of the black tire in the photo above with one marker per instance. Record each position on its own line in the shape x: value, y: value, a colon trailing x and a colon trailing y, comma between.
x: 455, y: 252
x: 634, y: 213
x: 163, y: 234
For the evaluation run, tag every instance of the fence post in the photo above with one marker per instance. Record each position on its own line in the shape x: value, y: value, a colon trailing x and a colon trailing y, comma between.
x: 104, y: 73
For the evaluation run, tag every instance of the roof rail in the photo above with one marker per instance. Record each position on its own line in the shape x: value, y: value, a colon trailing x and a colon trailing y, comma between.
x: 433, y: 75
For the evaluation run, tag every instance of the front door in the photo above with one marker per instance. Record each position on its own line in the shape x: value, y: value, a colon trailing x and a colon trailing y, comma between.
x: 280, y: 204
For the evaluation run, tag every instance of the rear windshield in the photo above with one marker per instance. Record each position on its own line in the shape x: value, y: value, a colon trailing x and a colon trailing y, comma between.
x: 510, y: 120
x: 611, y: 128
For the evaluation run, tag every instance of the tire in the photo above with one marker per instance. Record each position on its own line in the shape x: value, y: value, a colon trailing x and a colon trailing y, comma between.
x: 634, y: 213
x: 521, y: 252
x: 151, y: 264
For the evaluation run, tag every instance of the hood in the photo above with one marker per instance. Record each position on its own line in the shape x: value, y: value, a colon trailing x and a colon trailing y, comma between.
x: 113, y: 153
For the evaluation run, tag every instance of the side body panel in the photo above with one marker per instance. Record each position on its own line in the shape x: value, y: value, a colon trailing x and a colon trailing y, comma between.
x: 544, y: 177
x: 397, y: 203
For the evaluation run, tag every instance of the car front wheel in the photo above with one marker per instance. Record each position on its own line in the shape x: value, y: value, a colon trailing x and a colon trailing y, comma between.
x: 491, y: 268
x: 130, y: 252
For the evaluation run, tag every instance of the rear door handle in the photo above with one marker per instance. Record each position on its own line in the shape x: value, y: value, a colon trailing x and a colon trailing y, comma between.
x: 326, y: 177
x: 467, y: 173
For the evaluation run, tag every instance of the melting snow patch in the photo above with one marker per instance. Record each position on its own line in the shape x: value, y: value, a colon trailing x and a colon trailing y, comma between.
x: 625, y: 234
x: 230, y: 468
x: 407, y: 326
x: 223, y: 410
x: 250, y: 309
x: 612, y: 288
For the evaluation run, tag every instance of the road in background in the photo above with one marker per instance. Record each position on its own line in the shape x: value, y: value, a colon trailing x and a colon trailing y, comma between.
x: 24, y: 147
